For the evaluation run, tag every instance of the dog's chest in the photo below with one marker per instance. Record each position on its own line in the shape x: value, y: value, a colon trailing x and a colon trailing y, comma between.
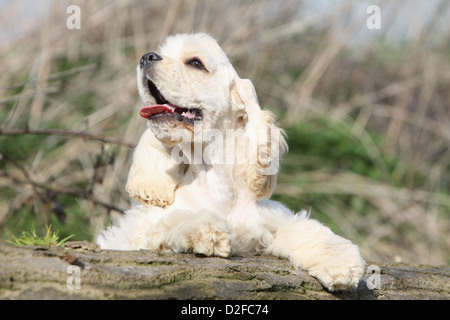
x: 205, y: 190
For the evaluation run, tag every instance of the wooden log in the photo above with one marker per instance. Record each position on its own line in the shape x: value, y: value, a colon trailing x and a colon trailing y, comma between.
x: 81, y: 271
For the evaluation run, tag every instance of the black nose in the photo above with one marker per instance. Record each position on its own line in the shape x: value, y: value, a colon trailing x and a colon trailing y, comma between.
x: 148, y: 58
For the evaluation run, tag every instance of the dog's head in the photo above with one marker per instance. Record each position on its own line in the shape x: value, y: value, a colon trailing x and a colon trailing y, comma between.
x: 185, y: 84
x: 189, y: 84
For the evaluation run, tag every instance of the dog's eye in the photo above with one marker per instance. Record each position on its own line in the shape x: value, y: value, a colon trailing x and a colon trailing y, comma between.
x: 196, y: 63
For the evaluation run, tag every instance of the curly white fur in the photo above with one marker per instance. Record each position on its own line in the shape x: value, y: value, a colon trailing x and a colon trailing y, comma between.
x: 217, y: 207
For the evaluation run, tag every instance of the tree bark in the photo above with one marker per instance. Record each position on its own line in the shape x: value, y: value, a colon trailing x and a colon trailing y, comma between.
x: 81, y: 271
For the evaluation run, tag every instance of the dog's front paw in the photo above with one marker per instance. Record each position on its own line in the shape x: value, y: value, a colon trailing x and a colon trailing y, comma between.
x: 341, y: 268
x: 151, y: 201
x: 149, y: 196
x: 211, y: 239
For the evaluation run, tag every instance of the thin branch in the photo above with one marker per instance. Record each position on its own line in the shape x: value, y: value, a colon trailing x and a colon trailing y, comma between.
x: 62, y: 132
x: 28, y: 180
x: 76, y: 193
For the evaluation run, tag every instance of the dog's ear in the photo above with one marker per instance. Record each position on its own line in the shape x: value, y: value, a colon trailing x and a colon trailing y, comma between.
x: 154, y: 174
x: 265, y: 141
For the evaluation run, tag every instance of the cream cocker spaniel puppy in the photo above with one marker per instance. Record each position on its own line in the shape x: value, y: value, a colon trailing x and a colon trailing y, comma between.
x: 204, y: 170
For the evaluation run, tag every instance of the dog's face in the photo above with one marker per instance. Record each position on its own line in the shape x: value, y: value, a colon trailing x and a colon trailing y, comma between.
x: 184, y: 85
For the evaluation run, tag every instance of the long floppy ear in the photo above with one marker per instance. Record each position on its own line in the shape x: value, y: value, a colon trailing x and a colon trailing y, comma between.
x: 266, y: 142
x: 154, y: 175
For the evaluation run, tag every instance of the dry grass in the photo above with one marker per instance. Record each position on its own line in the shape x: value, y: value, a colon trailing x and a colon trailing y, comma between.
x: 303, y: 69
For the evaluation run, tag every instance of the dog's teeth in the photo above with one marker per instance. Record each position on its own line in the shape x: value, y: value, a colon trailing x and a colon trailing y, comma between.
x: 188, y: 114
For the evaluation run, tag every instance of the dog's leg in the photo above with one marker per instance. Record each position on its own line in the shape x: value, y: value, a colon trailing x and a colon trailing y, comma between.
x: 200, y: 233
x: 154, y: 175
x: 333, y: 260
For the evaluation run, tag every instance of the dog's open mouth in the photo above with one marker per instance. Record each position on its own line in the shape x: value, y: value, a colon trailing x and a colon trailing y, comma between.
x: 164, y: 108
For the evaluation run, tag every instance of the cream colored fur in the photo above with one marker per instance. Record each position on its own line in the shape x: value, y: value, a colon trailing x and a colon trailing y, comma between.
x: 218, y: 207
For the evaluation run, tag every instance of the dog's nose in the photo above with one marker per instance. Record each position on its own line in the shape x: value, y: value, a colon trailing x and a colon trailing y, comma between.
x: 148, y: 58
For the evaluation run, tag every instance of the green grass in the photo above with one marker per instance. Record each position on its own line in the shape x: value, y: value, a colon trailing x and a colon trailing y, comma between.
x: 31, y: 238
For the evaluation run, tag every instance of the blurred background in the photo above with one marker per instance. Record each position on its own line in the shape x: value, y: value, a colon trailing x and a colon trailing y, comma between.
x: 367, y: 111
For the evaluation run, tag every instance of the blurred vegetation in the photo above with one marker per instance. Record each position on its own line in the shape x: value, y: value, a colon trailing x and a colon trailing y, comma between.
x: 368, y: 120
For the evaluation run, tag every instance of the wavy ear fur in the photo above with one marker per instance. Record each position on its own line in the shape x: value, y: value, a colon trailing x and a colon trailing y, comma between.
x: 154, y: 175
x: 265, y: 140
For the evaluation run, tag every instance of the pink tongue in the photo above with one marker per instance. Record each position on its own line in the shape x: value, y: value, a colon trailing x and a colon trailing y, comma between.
x: 148, y: 111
